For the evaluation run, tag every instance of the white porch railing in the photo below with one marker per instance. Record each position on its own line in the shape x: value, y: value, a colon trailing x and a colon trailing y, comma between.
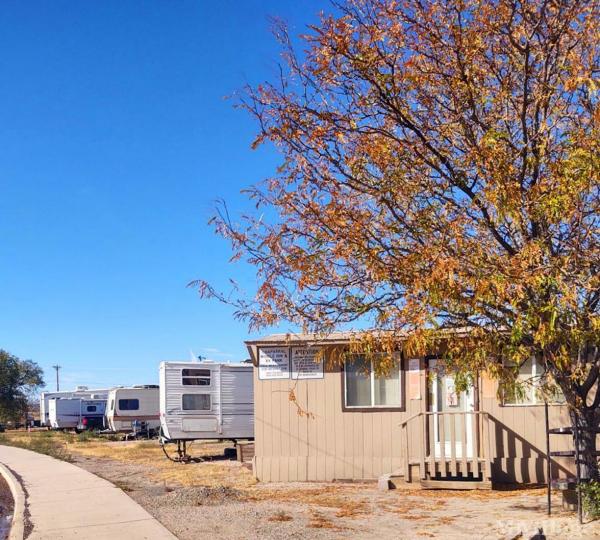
x: 466, y: 450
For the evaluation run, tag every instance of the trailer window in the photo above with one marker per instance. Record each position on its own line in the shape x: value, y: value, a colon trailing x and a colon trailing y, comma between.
x: 195, y: 377
x: 91, y: 408
x: 129, y: 404
x: 195, y: 402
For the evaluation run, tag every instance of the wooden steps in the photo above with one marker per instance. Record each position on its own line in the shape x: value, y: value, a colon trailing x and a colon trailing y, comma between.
x: 245, y: 451
x: 389, y: 481
x: 396, y: 480
x: 456, y: 484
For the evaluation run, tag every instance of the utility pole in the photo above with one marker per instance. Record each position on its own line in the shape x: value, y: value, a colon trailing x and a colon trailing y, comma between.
x: 57, y: 367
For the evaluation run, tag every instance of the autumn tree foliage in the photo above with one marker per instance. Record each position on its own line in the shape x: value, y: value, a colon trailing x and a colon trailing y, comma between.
x: 440, y: 170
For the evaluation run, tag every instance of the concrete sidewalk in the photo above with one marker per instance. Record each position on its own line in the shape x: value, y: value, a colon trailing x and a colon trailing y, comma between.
x: 66, y: 502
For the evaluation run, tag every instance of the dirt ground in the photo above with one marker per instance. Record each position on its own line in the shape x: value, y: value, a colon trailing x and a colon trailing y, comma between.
x: 6, y: 509
x: 221, y: 499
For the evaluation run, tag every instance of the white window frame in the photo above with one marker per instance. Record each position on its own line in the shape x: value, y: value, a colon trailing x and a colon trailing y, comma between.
x: 372, y: 381
x: 535, y: 402
x: 201, y: 377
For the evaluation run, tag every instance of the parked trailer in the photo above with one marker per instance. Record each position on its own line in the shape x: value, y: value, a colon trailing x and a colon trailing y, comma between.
x: 80, y: 391
x: 205, y: 400
x: 132, y: 407
x: 76, y: 413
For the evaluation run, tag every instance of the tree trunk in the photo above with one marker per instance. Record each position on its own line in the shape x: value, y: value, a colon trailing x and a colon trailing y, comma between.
x: 587, y: 424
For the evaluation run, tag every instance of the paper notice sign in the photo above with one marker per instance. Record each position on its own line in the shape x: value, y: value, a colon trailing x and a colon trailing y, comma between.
x: 274, y: 363
x: 307, y: 363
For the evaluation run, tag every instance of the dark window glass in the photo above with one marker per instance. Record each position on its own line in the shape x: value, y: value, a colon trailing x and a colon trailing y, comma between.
x: 129, y: 404
x: 91, y: 408
x: 195, y: 377
x: 195, y: 381
x: 195, y: 372
x: 195, y: 402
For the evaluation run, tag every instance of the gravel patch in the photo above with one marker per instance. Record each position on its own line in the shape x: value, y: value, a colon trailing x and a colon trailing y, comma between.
x: 336, y: 511
x: 201, y: 496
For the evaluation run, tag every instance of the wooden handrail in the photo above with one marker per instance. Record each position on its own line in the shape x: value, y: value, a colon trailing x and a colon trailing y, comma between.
x: 430, y: 413
x: 402, y: 424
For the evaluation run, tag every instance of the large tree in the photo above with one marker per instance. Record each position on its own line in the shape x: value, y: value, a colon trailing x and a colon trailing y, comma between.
x: 441, y: 170
x: 19, y: 379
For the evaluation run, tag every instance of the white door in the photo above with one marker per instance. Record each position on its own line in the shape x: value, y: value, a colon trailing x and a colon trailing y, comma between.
x: 444, y: 399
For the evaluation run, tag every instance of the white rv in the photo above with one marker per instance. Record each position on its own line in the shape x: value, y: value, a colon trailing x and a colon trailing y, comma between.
x: 76, y: 413
x: 131, y: 406
x: 206, y: 400
x: 80, y: 391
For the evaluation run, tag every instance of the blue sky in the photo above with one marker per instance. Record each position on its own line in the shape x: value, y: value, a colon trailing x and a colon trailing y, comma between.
x: 115, y: 141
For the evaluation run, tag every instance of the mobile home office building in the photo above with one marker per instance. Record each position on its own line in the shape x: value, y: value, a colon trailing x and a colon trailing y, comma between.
x: 321, y: 421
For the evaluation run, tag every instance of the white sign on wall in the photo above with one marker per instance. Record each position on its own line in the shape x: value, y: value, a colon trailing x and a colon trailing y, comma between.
x: 273, y: 363
x: 307, y: 363
x: 414, y: 378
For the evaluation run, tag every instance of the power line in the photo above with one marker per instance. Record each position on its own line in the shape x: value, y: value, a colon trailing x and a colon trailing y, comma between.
x: 57, y: 367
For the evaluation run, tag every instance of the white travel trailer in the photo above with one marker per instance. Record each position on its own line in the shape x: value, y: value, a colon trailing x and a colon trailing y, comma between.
x: 80, y: 391
x: 206, y: 400
x: 76, y: 413
x: 133, y: 405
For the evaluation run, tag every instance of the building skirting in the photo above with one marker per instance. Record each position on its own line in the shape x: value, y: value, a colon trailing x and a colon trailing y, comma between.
x: 520, y: 470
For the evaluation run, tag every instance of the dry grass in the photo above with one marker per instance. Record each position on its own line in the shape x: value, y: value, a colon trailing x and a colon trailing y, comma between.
x: 150, y: 455
x: 44, y: 442
x: 319, y: 521
x: 340, y: 498
x: 352, y: 510
x: 505, y: 492
x: 414, y: 508
x: 281, y: 516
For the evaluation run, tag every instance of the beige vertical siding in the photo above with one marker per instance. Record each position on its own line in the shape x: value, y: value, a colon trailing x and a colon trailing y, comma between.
x: 316, y: 440
x: 519, y: 436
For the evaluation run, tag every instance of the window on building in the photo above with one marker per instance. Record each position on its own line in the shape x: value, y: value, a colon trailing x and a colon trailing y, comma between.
x: 527, y: 391
x: 129, y: 404
x: 91, y: 408
x: 195, y: 377
x: 195, y: 402
x: 365, y: 388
